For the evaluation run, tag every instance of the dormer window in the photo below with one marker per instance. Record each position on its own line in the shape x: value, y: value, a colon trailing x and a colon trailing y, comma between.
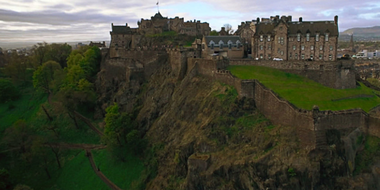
x: 308, y: 37
x: 238, y: 44
x: 261, y: 38
x: 327, y: 37
x: 299, y: 37
x: 229, y: 44
x: 268, y: 38
x: 212, y: 44
x: 317, y: 37
x: 221, y: 44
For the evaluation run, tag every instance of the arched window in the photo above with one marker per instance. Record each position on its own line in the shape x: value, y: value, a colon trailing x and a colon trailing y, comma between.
x: 308, y: 37
x: 299, y: 37
x: 327, y: 37
x: 238, y: 44
x: 317, y: 37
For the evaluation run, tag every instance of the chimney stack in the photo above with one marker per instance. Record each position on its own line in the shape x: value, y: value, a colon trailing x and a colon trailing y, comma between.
x: 289, y: 18
x: 300, y: 19
x: 336, y: 19
x: 258, y: 20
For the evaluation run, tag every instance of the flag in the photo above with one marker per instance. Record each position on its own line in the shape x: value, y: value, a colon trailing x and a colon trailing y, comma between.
x: 157, y: 3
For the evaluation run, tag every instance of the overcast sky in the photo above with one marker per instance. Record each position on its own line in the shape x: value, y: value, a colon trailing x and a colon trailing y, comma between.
x: 80, y: 20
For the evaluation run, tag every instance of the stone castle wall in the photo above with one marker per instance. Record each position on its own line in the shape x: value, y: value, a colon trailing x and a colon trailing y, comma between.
x: 339, y: 75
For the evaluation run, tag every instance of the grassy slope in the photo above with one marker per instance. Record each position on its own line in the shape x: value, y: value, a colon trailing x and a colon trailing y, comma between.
x: 121, y: 173
x: 303, y: 92
x: 24, y: 108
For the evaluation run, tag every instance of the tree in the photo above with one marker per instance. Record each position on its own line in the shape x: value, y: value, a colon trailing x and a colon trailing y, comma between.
x: 59, y: 53
x: 44, y: 75
x: 113, y: 128
x: 22, y: 187
x: 228, y: 28
x: 4, y: 179
x: 19, y: 136
x: 214, y: 33
x: 39, y: 54
x: 16, y: 68
x: 8, y: 91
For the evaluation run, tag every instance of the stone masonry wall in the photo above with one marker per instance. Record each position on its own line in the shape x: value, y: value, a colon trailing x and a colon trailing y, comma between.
x: 339, y: 75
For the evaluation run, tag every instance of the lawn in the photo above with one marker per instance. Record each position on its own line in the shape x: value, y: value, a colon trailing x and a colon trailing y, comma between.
x: 120, y: 173
x: 304, y: 93
x: 24, y: 108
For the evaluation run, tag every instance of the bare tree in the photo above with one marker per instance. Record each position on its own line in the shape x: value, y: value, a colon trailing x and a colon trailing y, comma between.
x: 228, y: 29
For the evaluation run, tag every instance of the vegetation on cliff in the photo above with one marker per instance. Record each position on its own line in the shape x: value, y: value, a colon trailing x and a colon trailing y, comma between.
x: 305, y: 93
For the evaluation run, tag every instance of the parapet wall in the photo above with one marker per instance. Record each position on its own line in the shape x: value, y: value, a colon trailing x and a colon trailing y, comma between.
x: 312, y: 125
x: 339, y: 75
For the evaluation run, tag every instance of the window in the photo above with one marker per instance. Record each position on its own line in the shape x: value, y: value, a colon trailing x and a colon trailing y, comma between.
x: 221, y: 44
x: 268, y: 38
x: 320, y: 47
x: 317, y: 37
x: 294, y: 48
x: 290, y: 55
x: 261, y: 47
x: 269, y: 47
x: 303, y: 56
x: 312, y: 48
x: 281, y: 40
x: 308, y: 37
x: 261, y: 38
x: 298, y: 37
x: 330, y: 57
x: 331, y: 48
x: 282, y: 52
x: 212, y: 46
x: 302, y: 47
x: 320, y: 56
x: 296, y: 56
x: 269, y: 56
x: 229, y: 46
x: 261, y: 56
x: 327, y: 37
x: 312, y: 56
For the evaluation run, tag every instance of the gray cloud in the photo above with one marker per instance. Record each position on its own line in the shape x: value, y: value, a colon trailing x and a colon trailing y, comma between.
x: 84, y: 20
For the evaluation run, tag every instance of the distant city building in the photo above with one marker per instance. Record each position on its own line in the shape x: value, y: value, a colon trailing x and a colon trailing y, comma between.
x: 98, y: 44
x: 283, y: 38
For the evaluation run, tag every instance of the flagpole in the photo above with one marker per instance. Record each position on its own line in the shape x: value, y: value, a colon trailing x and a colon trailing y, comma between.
x: 158, y: 8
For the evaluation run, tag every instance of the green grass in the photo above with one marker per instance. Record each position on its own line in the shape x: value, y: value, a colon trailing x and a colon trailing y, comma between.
x: 78, y: 174
x: 304, y: 93
x: 370, y: 153
x: 120, y: 173
x: 24, y: 108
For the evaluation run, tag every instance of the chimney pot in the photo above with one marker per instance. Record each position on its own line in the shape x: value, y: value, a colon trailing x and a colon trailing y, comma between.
x: 300, y: 19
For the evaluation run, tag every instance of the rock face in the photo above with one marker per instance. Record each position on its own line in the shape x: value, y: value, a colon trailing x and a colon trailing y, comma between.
x: 210, y: 139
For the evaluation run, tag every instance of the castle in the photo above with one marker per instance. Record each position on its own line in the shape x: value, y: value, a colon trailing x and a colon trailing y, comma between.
x: 290, y: 40
x: 125, y: 37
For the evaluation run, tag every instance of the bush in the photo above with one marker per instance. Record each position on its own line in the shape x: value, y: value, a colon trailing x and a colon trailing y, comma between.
x: 8, y: 91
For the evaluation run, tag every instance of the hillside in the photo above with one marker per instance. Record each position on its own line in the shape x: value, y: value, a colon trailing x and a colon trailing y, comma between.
x: 368, y: 31
x: 204, y: 137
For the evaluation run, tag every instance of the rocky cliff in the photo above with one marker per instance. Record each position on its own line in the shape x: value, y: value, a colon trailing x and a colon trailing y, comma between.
x: 210, y: 139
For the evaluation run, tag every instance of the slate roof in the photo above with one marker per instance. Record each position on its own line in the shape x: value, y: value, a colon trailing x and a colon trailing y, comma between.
x: 224, y: 39
x: 321, y: 27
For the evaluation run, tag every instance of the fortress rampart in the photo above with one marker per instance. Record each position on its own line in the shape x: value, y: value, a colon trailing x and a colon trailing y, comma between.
x: 339, y: 75
x: 312, y: 125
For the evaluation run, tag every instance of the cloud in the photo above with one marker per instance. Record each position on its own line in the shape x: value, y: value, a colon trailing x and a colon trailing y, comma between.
x: 90, y: 20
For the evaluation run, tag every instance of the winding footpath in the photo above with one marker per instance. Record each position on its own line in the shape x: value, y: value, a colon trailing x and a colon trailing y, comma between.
x: 87, y: 148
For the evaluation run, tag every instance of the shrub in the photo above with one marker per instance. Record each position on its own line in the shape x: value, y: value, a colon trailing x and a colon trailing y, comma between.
x: 8, y: 91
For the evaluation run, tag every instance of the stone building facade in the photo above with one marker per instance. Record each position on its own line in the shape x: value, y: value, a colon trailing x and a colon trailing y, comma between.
x: 225, y: 46
x: 291, y: 40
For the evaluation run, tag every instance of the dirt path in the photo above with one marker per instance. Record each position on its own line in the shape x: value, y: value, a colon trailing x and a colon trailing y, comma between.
x: 88, y: 122
x: 77, y: 146
x: 99, y: 173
